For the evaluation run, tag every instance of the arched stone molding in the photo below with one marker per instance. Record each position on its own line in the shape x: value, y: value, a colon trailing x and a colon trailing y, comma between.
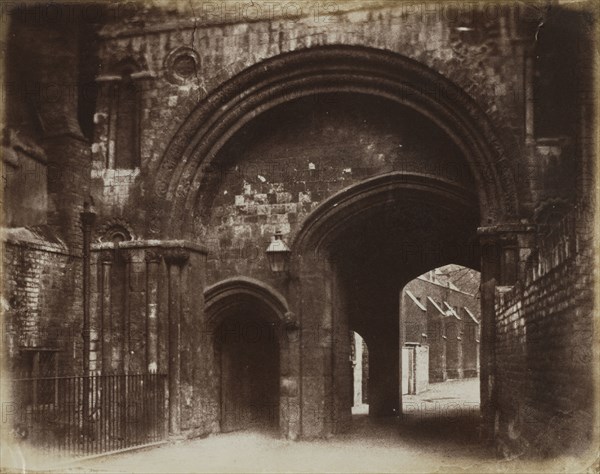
x: 343, y: 208
x: 221, y: 295
x: 189, y: 165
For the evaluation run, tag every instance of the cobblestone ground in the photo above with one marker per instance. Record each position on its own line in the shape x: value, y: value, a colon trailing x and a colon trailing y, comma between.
x: 436, y: 433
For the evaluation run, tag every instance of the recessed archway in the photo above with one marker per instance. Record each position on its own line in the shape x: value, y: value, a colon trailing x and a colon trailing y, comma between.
x: 248, y: 364
x: 249, y: 322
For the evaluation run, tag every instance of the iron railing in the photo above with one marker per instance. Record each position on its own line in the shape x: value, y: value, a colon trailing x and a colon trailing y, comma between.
x: 94, y: 414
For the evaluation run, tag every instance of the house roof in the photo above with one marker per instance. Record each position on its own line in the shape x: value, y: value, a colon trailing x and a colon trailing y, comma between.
x: 463, y: 279
x: 470, y: 314
x: 415, y: 300
x: 451, y: 311
x: 436, y: 306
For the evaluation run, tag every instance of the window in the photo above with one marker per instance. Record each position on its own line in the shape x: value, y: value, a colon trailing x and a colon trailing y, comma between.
x: 124, y: 118
x: 557, y: 75
x: 127, y: 125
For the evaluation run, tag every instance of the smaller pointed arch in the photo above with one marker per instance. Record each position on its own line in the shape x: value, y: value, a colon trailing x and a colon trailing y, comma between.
x: 223, y: 295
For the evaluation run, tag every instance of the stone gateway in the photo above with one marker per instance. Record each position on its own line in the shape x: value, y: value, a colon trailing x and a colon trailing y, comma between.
x: 153, y: 153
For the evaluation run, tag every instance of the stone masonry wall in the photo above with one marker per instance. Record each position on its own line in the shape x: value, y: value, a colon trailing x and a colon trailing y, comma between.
x: 544, y: 324
x: 483, y: 62
x: 277, y: 171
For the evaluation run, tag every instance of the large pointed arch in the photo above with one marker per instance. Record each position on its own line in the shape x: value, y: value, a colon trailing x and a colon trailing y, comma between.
x: 189, y: 163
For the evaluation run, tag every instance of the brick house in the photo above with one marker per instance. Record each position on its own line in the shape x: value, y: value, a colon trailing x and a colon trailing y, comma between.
x: 436, y: 313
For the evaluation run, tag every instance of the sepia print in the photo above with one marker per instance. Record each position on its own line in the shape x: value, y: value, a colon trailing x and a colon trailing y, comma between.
x: 299, y: 236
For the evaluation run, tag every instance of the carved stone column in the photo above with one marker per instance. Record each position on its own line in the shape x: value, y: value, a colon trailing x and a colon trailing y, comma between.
x: 509, y: 259
x: 175, y: 259
x: 125, y: 322
x: 106, y: 259
x: 310, y: 295
x: 152, y: 263
x: 289, y: 366
x: 88, y: 217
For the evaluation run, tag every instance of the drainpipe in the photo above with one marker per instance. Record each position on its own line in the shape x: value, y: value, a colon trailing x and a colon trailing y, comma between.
x: 88, y: 217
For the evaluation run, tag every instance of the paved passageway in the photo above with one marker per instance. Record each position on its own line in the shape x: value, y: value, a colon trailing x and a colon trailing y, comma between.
x: 438, y: 432
x: 439, y: 428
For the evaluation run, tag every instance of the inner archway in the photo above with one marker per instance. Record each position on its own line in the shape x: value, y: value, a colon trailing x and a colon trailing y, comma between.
x: 376, y: 258
x: 368, y: 241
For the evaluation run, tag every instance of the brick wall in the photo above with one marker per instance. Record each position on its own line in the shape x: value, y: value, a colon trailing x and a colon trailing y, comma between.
x: 47, y: 187
x: 544, y: 346
x: 42, y: 299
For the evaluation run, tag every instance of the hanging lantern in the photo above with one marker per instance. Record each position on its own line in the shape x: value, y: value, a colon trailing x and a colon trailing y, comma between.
x: 278, y: 254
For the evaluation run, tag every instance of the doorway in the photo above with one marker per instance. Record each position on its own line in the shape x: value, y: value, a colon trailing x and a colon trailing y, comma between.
x: 248, y: 360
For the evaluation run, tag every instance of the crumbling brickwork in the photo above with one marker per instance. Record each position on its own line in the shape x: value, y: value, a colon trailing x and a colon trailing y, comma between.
x: 544, y: 345
x: 41, y: 303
